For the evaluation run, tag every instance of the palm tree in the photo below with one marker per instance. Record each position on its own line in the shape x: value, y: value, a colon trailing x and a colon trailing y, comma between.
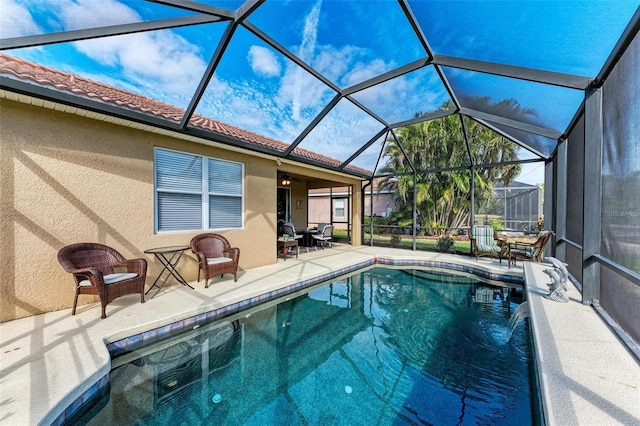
x: 443, y: 198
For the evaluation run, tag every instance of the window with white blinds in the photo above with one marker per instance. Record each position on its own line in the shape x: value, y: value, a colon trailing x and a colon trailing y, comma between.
x: 195, y: 192
x: 339, y: 208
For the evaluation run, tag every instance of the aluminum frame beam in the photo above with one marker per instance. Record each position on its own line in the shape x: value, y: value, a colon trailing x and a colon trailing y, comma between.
x: 592, y: 212
x: 426, y: 117
x: 560, y: 192
x: 408, y: 12
x: 525, y: 127
x: 112, y: 30
x: 389, y: 75
x: 195, y: 6
x: 569, y: 81
x: 621, y: 46
x: 208, y: 74
x: 365, y: 146
x: 512, y: 138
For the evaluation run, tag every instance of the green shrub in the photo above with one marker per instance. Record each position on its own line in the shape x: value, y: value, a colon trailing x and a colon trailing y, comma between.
x: 378, y: 222
x: 395, y: 240
x: 445, y: 243
x: 496, y: 224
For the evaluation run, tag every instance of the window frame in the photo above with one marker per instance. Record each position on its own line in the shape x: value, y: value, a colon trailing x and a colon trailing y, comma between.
x: 205, y: 192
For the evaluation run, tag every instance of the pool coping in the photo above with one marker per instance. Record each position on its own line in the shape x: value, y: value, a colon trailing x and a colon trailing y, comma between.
x: 586, y: 374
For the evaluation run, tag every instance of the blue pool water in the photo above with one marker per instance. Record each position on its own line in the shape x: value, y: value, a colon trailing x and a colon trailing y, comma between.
x: 381, y: 347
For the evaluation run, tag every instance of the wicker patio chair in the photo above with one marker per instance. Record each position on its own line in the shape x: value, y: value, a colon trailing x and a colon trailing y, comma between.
x: 92, y: 266
x: 485, y: 242
x: 527, y: 250
x: 215, y: 256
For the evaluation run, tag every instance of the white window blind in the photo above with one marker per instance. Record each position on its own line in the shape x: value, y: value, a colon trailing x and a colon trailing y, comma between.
x: 339, y: 210
x: 225, y: 194
x: 225, y: 177
x: 225, y: 212
x: 195, y: 192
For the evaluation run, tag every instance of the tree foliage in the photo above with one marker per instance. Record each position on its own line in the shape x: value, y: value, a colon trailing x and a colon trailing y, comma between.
x: 443, y: 197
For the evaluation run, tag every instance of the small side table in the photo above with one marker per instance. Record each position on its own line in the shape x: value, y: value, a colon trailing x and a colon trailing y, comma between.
x: 169, y: 257
x: 284, y: 245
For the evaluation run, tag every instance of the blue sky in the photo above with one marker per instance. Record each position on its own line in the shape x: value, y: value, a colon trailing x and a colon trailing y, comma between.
x: 347, y: 42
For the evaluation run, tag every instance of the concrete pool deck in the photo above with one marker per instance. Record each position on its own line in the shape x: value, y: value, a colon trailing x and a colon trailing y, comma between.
x: 47, y: 361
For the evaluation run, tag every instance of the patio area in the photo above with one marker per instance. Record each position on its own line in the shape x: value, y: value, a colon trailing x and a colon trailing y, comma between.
x: 587, y: 375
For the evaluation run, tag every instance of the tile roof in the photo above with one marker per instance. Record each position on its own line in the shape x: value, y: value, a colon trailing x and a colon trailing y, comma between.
x: 43, y: 76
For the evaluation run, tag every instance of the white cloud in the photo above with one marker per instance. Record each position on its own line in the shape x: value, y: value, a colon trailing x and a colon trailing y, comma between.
x: 152, y: 60
x: 246, y: 106
x: 263, y: 61
x: 159, y: 64
x: 78, y: 14
x: 162, y: 63
x: 362, y: 71
x: 16, y: 21
x: 310, y: 33
x: 298, y: 87
x: 304, y: 96
x: 253, y: 104
x: 302, y: 91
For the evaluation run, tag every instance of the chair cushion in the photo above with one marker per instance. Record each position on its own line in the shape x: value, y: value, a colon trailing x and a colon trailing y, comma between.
x: 483, y: 235
x: 218, y: 260
x: 521, y: 252
x: 112, y: 278
x: 490, y: 248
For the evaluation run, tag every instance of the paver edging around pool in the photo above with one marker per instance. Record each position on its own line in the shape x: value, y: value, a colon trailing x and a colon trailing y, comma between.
x: 129, y: 343
x: 508, y: 278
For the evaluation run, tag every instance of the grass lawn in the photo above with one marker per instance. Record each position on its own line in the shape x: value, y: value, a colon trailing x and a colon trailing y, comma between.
x: 406, y: 241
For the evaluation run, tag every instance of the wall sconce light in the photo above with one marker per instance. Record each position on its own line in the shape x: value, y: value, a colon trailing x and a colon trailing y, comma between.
x: 286, y: 180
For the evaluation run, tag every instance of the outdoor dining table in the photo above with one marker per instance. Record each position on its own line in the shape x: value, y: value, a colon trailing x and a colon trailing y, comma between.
x: 307, y: 239
x: 521, y: 238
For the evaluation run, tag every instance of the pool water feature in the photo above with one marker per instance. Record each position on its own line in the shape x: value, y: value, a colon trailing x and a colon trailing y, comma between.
x: 382, y: 346
x: 518, y: 315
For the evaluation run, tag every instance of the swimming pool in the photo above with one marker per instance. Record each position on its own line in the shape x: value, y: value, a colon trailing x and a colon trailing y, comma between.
x: 381, y: 346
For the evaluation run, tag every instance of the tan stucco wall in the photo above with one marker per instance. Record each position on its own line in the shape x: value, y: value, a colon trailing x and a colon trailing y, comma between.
x: 68, y: 179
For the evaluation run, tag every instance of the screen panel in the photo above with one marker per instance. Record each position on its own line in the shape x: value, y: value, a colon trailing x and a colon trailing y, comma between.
x: 621, y: 298
x: 621, y: 162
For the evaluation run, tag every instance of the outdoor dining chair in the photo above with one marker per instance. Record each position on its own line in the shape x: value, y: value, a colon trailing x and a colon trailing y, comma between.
x: 527, y: 250
x: 485, y: 242
x: 290, y: 230
x: 325, y: 236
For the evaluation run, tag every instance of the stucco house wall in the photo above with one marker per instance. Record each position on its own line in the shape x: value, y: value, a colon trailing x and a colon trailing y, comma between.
x: 67, y: 179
